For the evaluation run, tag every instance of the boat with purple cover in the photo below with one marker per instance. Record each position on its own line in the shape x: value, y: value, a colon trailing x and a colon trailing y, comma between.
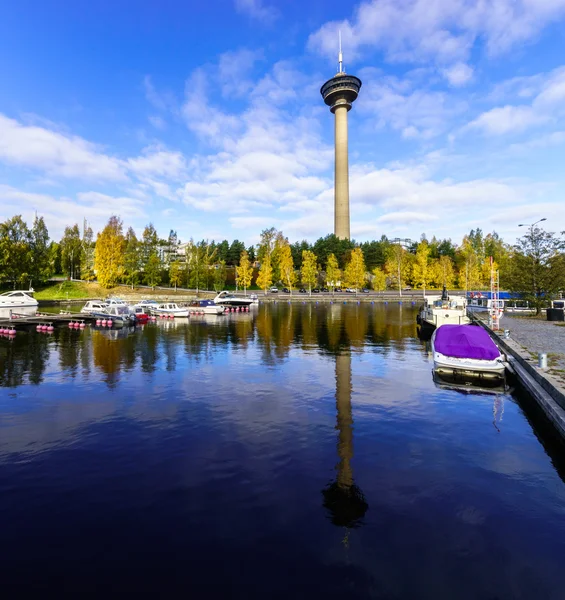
x: 466, y: 351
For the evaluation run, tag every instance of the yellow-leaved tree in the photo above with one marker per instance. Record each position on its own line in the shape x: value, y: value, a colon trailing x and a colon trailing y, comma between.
x: 379, y: 280
x: 420, y: 268
x: 175, y: 273
x: 397, y: 264
x: 265, y: 277
x: 309, y: 269
x: 445, y: 267
x: 286, y: 266
x: 109, y: 253
x: 333, y: 272
x: 355, y: 272
x: 244, y: 271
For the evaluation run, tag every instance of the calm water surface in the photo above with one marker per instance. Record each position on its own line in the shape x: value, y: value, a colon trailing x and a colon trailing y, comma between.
x: 295, y: 452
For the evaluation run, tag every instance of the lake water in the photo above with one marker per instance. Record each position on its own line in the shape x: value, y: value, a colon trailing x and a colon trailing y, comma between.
x: 293, y: 452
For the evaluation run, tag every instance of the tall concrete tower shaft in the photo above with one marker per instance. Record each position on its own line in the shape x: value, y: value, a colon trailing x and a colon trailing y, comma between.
x: 339, y: 93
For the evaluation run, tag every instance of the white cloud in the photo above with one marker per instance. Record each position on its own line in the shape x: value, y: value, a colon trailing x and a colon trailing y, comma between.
x: 458, y: 74
x: 234, y: 68
x: 157, y: 122
x: 548, y: 105
x: 200, y: 116
x: 507, y: 119
x: 416, y: 113
x: 257, y: 10
x: 56, y: 153
x: 443, y: 31
x: 159, y: 162
x: 62, y: 211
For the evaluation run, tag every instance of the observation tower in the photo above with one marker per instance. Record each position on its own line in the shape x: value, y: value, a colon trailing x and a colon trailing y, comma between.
x: 339, y: 93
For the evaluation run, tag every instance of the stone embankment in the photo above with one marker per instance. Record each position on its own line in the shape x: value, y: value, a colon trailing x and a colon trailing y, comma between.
x: 536, y: 335
x: 522, y: 338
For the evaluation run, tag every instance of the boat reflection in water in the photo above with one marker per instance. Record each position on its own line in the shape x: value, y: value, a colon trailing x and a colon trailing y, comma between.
x: 470, y: 385
x: 342, y: 498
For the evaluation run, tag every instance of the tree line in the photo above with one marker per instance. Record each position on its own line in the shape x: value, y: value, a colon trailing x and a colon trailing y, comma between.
x: 534, y: 265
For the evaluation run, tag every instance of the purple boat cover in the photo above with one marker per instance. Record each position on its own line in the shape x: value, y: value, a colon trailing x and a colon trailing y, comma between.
x: 465, y: 341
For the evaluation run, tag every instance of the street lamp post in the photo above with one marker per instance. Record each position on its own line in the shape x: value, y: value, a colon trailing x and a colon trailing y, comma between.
x: 535, y: 255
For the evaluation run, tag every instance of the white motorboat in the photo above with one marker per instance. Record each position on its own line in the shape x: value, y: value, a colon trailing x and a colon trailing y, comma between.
x: 466, y: 351
x: 170, y: 309
x: 206, y: 307
x: 119, y: 314
x: 19, y: 302
x: 230, y: 299
x: 443, y: 310
x: 93, y: 306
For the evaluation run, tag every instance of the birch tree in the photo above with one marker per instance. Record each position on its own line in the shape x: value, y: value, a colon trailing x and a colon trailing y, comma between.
x: 109, y: 253
x: 265, y: 277
x: 355, y: 273
x: 333, y: 272
x: 286, y: 266
x: 420, y: 268
x: 309, y: 270
x: 244, y: 271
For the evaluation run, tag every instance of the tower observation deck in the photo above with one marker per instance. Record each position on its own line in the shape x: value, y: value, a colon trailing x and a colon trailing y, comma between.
x: 339, y: 93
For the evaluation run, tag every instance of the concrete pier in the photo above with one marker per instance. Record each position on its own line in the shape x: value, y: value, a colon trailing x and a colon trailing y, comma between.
x: 547, y: 388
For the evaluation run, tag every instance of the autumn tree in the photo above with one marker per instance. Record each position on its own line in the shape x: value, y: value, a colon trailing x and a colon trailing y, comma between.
x: 397, y: 264
x: 175, y: 273
x: 244, y: 272
x: 333, y: 272
x: 355, y: 273
x: 286, y: 266
x: 420, y: 268
x: 109, y: 253
x: 379, y: 279
x: 265, y: 277
x: 309, y: 270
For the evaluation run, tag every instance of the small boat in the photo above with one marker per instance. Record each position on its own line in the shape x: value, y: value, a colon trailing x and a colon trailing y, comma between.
x: 230, y: 299
x: 170, y: 308
x: 207, y: 307
x: 141, y: 313
x: 120, y: 315
x: 442, y: 310
x: 20, y: 302
x: 93, y: 306
x: 466, y: 351
x: 148, y: 304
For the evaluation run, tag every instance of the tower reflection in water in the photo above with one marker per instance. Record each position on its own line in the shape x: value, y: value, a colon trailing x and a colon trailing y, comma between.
x: 343, y: 499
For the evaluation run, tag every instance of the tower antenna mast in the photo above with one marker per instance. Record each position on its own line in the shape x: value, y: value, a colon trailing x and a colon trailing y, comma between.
x: 340, y: 55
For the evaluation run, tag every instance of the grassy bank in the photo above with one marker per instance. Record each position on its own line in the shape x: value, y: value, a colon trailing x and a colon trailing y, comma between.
x: 80, y: 290
x: 69, y: 290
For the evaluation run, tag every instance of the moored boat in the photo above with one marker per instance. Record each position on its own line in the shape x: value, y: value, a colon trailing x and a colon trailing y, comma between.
x: 206, y: 307
x: 120, y: 315
x: 170, y: 309
x: 230, y: 299
x: 19, y: 302
x: 93, y: 306
x: 466, y: 351
x: 442, y: 310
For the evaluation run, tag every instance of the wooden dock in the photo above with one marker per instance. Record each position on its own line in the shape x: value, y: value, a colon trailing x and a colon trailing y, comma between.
x: 24, y: 322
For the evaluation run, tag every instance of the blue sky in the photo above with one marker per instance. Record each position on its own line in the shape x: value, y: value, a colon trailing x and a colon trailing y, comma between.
x: 207, y: 118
